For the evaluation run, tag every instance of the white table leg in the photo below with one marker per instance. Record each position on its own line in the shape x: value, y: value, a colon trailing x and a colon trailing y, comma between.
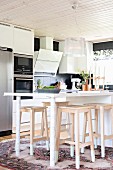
x: 17, y: 143
x: 77, y: 140
x: 52, y: 132
x: 102, y: 132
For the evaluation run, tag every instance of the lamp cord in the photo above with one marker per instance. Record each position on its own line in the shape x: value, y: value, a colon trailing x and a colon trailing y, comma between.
x: 75, y: 6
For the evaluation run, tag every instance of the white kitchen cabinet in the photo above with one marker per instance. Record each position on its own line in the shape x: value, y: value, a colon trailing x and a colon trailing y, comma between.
x: 23, y: 41
x: 6, y: 35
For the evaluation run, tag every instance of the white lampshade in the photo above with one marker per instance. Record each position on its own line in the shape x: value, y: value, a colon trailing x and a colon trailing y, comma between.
x: 75, y: 47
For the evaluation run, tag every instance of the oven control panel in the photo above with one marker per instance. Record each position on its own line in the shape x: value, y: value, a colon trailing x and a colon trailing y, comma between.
x: 23, y: 76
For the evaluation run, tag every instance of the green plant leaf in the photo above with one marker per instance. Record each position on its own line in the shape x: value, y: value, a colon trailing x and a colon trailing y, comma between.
x: 84, y: 75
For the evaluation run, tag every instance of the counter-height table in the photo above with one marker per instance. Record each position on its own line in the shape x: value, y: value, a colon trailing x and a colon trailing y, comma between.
x: 76, y: 98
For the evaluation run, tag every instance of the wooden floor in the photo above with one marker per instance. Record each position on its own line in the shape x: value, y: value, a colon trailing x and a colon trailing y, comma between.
x: 7, y: 137
x: 13, y: 136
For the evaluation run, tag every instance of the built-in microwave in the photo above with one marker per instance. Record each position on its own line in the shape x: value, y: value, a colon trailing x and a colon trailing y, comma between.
x: 23, y: 65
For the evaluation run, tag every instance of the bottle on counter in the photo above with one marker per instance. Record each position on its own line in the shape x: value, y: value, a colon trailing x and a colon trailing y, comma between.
x: 62, y: 85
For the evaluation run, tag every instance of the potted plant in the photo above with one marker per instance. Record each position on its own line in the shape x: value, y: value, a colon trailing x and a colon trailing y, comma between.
x: 39, y: 85
x: 84, y: 75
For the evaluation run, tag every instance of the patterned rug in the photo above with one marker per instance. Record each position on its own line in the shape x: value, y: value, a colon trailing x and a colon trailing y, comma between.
x: 40, y: 160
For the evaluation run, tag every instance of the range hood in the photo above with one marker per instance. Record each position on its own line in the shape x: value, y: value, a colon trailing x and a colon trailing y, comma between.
x: 47, y: 62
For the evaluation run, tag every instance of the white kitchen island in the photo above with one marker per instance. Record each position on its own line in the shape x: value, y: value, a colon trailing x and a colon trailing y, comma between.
x: 75, y: 98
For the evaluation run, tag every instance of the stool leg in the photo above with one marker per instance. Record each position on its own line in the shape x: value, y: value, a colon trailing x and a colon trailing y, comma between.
x: 96, y: 127
x: 91, y: 135
x: 72, y: 135
x: 20, y: 116
x: 68, y: 122
x: 102, y: 131
x: 46, y: 129
x: 20, y: 119
x: 84, y: 131
x: 58, y: 128
x: 112, y: 123
x: 31, y: 131
x: 42, y: 125
x: 77, y: 150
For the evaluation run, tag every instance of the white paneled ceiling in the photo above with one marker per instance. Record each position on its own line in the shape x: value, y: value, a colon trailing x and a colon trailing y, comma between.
x: 92, y: 19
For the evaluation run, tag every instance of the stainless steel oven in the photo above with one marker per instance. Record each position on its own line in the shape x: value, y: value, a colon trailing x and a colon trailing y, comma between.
x: 23, y: 84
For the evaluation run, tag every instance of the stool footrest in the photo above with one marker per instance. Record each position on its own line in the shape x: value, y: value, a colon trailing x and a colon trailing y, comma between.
x: 108, y: 137
x: 64, y: 124
x: 39, y: 139
x: 69, y: 142
x: 96, y: 135
x: 82, y: 145
x: 25, y: 135
x: 64, y: 140
x: 24, y: 122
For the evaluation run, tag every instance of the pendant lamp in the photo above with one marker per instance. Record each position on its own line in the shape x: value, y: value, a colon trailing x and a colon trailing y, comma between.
x: 75, y: 46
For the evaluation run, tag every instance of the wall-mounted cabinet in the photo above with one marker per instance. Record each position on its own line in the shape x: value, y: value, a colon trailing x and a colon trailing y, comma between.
x: 23, y: 41
x: 19, y: 39
x: 6, y: 35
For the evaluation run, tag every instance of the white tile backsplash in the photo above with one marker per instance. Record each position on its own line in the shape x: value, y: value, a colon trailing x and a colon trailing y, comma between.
x: 46, y: 81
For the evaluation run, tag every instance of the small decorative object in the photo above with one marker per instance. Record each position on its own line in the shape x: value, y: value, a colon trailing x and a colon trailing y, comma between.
x: 85, y: 76
x: 39, y: 86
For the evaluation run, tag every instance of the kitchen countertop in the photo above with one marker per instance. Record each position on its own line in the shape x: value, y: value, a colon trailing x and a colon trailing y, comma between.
x: 62, y: 94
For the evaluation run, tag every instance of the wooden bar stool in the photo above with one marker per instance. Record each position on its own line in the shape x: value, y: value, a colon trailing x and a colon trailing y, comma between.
x: 75, y: 111
x: 95, y: 131
x: 33, y: 138
x: 62, y: 103
x: 101, y: 107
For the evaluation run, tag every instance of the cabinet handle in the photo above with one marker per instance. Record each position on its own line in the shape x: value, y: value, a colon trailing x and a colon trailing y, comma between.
x: 23, y: 79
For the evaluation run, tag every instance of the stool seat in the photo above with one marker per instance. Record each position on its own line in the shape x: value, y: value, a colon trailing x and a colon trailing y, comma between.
x: 62, y: 103
x: 30, y: 107
x: 98, y: 105
x: 74, y: 112
x: 77, y: 107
